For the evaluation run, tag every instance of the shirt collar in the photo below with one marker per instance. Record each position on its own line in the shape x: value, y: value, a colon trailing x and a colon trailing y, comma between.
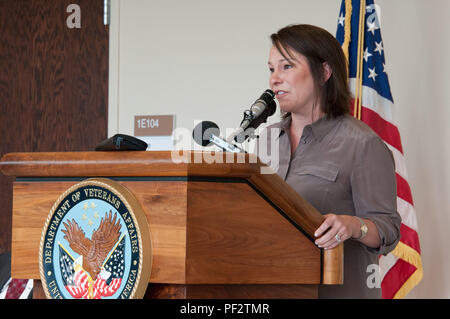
x: 283, y: 125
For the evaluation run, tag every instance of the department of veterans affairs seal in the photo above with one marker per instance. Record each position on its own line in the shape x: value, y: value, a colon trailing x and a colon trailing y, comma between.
x: 95, y: 244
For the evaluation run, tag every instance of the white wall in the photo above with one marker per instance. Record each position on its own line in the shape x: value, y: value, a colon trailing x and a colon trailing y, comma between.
x: 199, y: 59
x: 207, y: 60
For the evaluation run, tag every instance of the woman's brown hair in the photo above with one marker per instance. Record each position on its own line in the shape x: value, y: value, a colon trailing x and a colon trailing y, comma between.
x: 318, y: 46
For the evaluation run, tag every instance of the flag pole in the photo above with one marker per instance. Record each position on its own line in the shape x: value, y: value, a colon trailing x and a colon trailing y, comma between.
x: 347, y: 29
x: 359, y: 67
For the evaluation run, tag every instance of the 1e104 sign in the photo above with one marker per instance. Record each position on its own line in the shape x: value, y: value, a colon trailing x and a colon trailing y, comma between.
x: 148, y: 123
x: 153, y: 125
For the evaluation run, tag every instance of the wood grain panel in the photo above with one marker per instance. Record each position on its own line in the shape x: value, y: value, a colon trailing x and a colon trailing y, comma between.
x: 31, y: 206
x: 38, y: 290
x: 163, y: 202
x: 333, y: 266
x: 251, y: 292
x: 53, y: 83
x: 165, y: 291
x: 241, y: 242
x: 235, y: 237
x: 304, y: 215
x: 294, y: 206
x: 162, y: 291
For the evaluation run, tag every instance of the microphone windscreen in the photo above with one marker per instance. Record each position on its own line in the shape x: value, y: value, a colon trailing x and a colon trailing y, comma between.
x: 203, y: 131
x: 268, y: 96
x: 272, y: 107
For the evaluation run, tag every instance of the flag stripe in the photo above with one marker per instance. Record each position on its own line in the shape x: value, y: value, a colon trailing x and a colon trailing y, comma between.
x: 408, y: 213
x: 28, y: 289
x: 395, y: 278
x: 399, y: 159
x: 16, y: 289
x: 403, y: 189
x: 386, y: 130
x: 372, y: 100
x: 411, y: 256
x: 386, y: 262
x: 410, y: 237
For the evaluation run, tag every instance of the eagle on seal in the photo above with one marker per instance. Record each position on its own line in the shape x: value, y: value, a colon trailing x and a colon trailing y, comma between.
x: 95, y: 250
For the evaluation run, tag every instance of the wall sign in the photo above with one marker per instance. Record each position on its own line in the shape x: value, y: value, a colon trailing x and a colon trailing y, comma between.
x: 156, y: 130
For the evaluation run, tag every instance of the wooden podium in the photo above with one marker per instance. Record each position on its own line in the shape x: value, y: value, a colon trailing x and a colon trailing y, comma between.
x: 219, y: 228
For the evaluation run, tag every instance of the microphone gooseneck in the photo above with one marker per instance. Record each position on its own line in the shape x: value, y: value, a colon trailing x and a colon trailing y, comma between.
x: 206, y: 133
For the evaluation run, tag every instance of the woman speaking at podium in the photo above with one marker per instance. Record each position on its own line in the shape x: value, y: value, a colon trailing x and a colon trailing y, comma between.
x: 334, y: 161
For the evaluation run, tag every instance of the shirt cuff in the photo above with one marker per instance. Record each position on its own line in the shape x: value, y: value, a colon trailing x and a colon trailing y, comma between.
x: 389, y: 233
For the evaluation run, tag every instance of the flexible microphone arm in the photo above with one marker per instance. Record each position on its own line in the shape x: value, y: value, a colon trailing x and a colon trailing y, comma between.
x: 225, y: 145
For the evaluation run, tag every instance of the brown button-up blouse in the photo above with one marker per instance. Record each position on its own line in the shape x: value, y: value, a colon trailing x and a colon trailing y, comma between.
x: 341, y: 166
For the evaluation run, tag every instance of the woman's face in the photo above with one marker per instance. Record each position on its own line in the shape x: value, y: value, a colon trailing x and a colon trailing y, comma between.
x: 291, y: 81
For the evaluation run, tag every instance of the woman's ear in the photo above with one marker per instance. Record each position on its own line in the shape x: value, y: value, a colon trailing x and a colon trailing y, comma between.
x: 326, y: 72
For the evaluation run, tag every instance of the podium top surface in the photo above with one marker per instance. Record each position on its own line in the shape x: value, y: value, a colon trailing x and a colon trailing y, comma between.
x: 137, y: 163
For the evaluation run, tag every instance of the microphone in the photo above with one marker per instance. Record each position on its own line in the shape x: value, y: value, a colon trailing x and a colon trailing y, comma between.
x: 206, y: 133
x: 203, y: 132
x: 258, y: 113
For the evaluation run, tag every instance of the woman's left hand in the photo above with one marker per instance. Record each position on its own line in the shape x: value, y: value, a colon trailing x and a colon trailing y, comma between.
x: 335, y: 229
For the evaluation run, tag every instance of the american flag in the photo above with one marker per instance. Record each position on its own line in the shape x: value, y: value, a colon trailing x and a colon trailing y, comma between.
x: 16, y: 289
x: 79, y: 283
x: 359, y: 33
x: 66, y: 266
x: 12, y: 288
x: 115, y: 266
x: 75, y: 281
